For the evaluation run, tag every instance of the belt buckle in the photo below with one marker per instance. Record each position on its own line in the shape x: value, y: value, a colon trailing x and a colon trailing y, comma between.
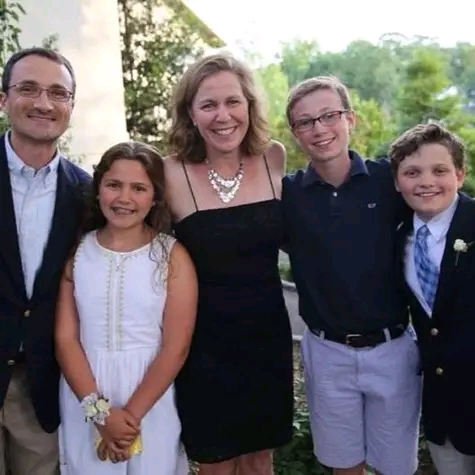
x: 350, y: 336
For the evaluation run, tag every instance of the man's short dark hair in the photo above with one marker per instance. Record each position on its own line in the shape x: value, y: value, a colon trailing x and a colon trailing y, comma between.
x: 35, y: 51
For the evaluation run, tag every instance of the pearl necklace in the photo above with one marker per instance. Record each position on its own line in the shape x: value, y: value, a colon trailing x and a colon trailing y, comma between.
x: 226, y: 188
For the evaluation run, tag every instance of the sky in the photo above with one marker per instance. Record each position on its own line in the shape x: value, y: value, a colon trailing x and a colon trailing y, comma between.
x: 333, y: 24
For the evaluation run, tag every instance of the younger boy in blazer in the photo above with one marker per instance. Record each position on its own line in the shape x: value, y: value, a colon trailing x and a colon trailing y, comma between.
x: 437, y: 245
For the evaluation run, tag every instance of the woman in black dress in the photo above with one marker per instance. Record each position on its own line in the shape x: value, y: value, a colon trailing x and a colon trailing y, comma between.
x: 234, y: 394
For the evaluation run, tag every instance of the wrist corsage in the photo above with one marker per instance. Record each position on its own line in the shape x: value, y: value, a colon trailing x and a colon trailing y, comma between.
x: 96, y: 408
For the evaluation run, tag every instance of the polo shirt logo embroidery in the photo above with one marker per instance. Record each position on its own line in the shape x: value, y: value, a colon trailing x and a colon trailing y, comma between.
x: 371, y: 205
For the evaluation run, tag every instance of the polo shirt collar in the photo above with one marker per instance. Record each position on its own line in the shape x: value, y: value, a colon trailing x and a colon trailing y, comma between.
x: 357, y: 167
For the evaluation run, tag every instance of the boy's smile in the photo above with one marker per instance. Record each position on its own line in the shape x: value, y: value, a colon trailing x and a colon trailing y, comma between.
x: 428, y: 180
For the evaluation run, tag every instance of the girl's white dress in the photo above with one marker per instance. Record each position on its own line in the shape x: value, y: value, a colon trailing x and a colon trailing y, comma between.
x: 120, y: 297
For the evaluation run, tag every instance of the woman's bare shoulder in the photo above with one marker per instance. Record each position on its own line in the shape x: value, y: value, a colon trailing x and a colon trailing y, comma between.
x: 276, y: 156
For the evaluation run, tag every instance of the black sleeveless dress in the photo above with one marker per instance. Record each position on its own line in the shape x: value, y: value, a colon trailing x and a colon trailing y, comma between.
x: 235, y: 392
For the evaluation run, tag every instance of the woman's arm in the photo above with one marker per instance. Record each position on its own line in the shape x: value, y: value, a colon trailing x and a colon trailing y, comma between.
x: 69, y: 352
x: 277, y: 159
x: 276, y: 155
x: 178, y: 325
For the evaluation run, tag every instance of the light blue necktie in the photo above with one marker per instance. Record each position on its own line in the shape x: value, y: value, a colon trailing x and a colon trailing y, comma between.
x: 426, y: 270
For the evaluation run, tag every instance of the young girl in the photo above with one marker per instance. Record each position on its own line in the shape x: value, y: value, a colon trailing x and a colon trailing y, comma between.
x: 125, y: 318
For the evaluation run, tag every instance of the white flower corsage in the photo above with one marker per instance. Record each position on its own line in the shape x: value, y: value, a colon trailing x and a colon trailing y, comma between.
x: 460, y: 246
x: 96, y: 408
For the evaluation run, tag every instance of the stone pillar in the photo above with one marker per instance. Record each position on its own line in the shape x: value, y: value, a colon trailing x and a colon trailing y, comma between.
x: 88, y: 35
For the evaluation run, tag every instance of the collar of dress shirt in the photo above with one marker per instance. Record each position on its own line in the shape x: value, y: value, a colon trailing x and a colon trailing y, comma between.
x: 17, y: 166
x: 440, y: 223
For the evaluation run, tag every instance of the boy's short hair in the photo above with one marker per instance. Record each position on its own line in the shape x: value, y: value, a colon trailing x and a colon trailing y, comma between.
x: 318, y: 83
x: 425, y: 134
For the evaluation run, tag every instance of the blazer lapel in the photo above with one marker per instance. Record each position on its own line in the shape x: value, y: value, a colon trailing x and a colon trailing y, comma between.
x: 448, y: 267
x: 9, y: 247
x: 63, y: 229
x: 403, y: 231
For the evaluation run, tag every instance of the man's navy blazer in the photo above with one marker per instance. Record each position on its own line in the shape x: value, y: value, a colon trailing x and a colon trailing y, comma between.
x: 31, y: 320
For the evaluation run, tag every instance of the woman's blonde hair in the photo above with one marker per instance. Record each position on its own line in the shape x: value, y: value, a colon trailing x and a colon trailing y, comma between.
x: 185, y: 140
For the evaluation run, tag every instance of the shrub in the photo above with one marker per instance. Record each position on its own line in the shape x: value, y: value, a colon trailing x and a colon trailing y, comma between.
x: 285, y: 272
x: 297, y: 457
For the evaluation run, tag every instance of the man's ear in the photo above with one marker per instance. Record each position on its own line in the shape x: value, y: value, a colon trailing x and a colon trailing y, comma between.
x: 3, y: 100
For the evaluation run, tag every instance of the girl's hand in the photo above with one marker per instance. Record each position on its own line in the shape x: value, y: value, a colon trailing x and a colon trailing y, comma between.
x: 120, y: 427
x: 116, y: 454
x: 102, y: 452
x: 111, y: 451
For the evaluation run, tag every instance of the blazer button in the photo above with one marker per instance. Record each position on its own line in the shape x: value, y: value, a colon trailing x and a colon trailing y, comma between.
x: 434, y: 331
x: 10, y: 362
x: 27, y: 313
x: 439, y: 371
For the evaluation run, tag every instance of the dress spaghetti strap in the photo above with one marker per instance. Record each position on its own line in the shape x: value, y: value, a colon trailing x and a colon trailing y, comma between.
x: 189, y: 184
x: 268, y: 174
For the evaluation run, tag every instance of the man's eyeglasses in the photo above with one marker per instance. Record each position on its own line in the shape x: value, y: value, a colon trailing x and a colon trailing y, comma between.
x: 327, y: 119
x: 34, y: 90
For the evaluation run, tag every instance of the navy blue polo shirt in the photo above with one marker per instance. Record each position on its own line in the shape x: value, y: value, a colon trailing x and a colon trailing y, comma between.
x: 341, y: 244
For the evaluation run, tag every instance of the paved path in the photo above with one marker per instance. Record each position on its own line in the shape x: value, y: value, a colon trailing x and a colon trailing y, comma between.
x: 291, y: 300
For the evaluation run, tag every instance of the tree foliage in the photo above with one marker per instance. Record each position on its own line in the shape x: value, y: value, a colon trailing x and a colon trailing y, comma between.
x: 9, y: 39
x: 159, y: 38
x: 275, y: 88
x: 9, y: 18
x: 374, y: 127
x: 394, y: 85
x: 425, y: 94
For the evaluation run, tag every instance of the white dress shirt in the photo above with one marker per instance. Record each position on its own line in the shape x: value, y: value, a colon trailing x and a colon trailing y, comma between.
x: 34, y: 198
x: 438, y: 228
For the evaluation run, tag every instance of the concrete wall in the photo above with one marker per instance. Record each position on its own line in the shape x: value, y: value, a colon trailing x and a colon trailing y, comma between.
x: 88, y: 35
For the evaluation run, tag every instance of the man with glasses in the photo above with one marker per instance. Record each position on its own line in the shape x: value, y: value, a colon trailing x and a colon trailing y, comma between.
x: 41, y: 205
x: 361, y: 364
